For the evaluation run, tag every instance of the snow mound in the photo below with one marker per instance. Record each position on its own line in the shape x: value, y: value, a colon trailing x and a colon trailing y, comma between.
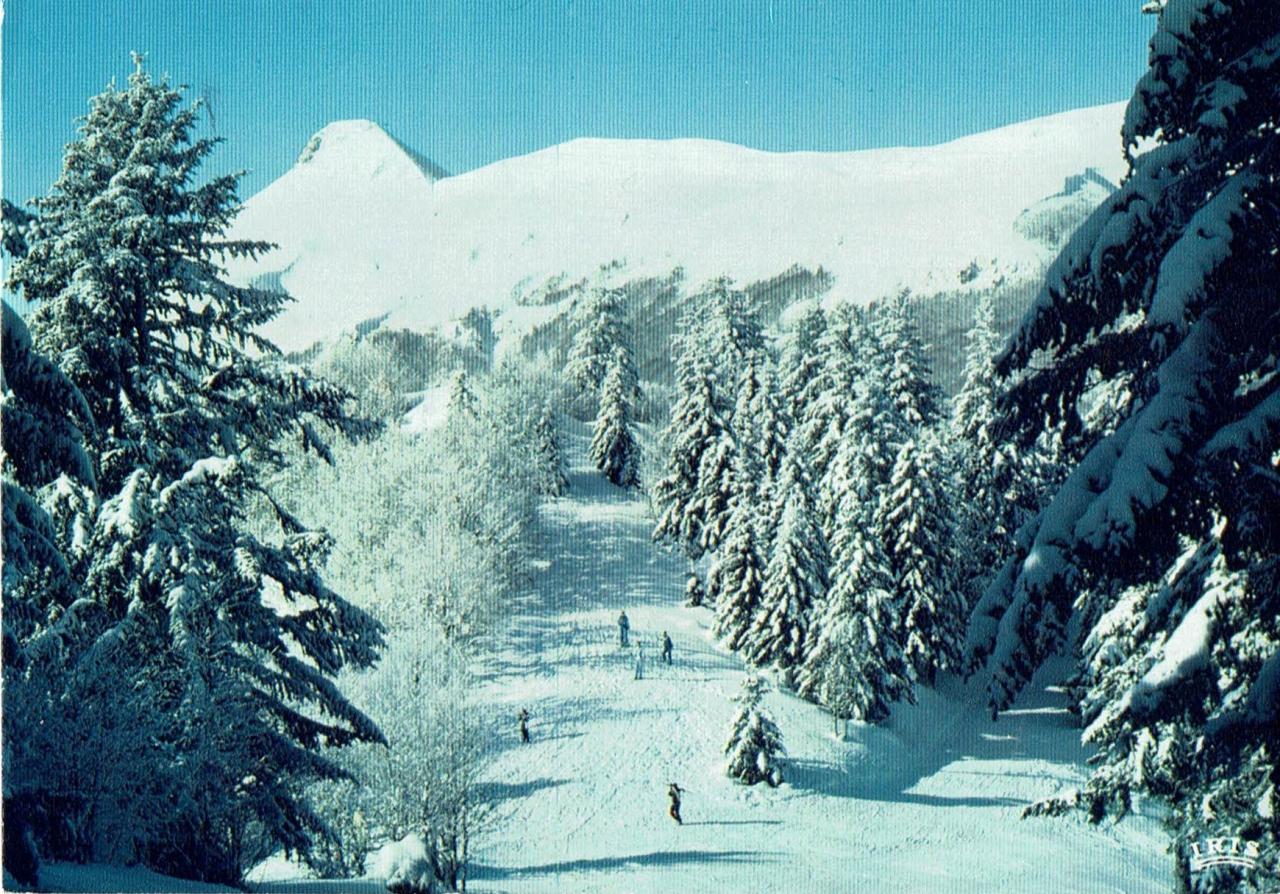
x: 431, y: 411
x: 405, y: 866
x: 365, y: 232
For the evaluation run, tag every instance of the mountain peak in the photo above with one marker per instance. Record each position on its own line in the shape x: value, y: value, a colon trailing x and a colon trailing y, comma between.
x: 358, y: 143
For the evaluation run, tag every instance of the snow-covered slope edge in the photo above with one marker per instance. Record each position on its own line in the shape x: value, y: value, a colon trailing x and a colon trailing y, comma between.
x: 364, y: 231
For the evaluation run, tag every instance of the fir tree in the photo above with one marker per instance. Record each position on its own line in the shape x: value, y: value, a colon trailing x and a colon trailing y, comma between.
x: 827, y: 405
x: 1165, y: 300
x: 601, y: 330
x: 41, y: 416
x: 802, y: 360
x: 754, y: 749
x: 996, y: 483
x: 552, y: 480
x: 795, y: 578
x: 914, y: 524
x: 463, y: 402
x: 855, y: 664
x: 1156, y: 296
x: 908, y: 376
x: 719, y: 334
x: 760, y: 423
x: 613, y: 448
x: 14, y: 224
x: 736, y: 581
x: 696, y: 427
x: 694, y: 593
x: 124, y: 267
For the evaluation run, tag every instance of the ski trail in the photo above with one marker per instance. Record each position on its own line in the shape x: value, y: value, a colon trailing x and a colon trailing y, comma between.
x: 927, y: 802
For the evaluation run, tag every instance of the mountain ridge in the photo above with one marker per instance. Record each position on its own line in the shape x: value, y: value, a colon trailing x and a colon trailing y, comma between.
x: 369, y: 233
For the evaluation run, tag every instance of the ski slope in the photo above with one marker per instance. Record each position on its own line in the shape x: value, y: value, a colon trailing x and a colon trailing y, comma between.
x: 929, y: 802
x: 367, y: 230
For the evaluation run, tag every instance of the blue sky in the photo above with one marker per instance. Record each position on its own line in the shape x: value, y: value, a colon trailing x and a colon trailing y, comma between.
x: 468, y: 83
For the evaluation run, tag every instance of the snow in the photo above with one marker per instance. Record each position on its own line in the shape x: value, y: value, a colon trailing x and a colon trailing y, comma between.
x: 93, y: 877
x: 364, y: 231
x: 929, y: 801
x: 431, y: 411
x: 404, y: 862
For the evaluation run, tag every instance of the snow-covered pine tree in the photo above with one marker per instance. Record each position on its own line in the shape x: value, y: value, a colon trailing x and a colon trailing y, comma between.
x: 908, y: 376
x: 802, y: 360
x: 860, y: 470
x: 695, y: 594
x: 613, y: 447
x: 601, y: 329
x: 760, y: 423
x: 41, y: 416
x: 551, y: 478
x: 1159, y: 292
x: 730, y: 331
x: 996, y: 483
x: 914, y: 523
x: 696, y: 425
x: 855, y: 665
x: 14, y: 223
x: 754, y: 750
x: 827, y: 404
x: 463, y: 401
x: 736, y: 581
x: 124, y: 265
x: 719, y: 333
x: 795, y: 577
x: 1166, y: 298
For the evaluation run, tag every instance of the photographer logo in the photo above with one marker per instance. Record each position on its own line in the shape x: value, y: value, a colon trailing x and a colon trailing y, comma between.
x: 1223, y: 852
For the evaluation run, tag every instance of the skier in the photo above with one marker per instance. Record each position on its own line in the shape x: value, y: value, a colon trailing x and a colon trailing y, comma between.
x: 623, y: 627
x: 666, y: 647
x: 524, y: 725
x: 640, y: 661
x: 674, y: 791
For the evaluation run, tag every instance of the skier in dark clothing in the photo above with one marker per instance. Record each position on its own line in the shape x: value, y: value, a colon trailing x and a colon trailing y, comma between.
x: 524, y: 724
x: 666, y: 647
x: 623, y: 627
x: 674, y: 791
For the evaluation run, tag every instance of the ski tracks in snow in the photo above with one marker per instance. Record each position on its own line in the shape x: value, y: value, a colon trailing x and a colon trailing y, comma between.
x: 928, y: 802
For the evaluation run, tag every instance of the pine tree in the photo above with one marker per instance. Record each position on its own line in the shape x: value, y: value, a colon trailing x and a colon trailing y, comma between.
x: 754, y: 748
x: 736, y: 581
x: 191, y: 407
x: 719, y: 334
x: 760, y: 422
x: 855, y: 664
x: 908, y: 377
x: 601, y: 330
x: 996, y: 483
x: 613, y: 448
x: 696, y: 427
x: 828, y: 403
x: 795, y: 578
x: 463, y: 402
x: 551, y: 479
x: 1165, y: 299
x: 695, y: 594
x: 14, y: 224
x: 41, y: 416
x: 802, y: 360
x: 1158, y: 295
x: 914, y: 524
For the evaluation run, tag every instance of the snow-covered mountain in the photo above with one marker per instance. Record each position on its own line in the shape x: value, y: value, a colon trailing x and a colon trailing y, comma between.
x: 367, y: 229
